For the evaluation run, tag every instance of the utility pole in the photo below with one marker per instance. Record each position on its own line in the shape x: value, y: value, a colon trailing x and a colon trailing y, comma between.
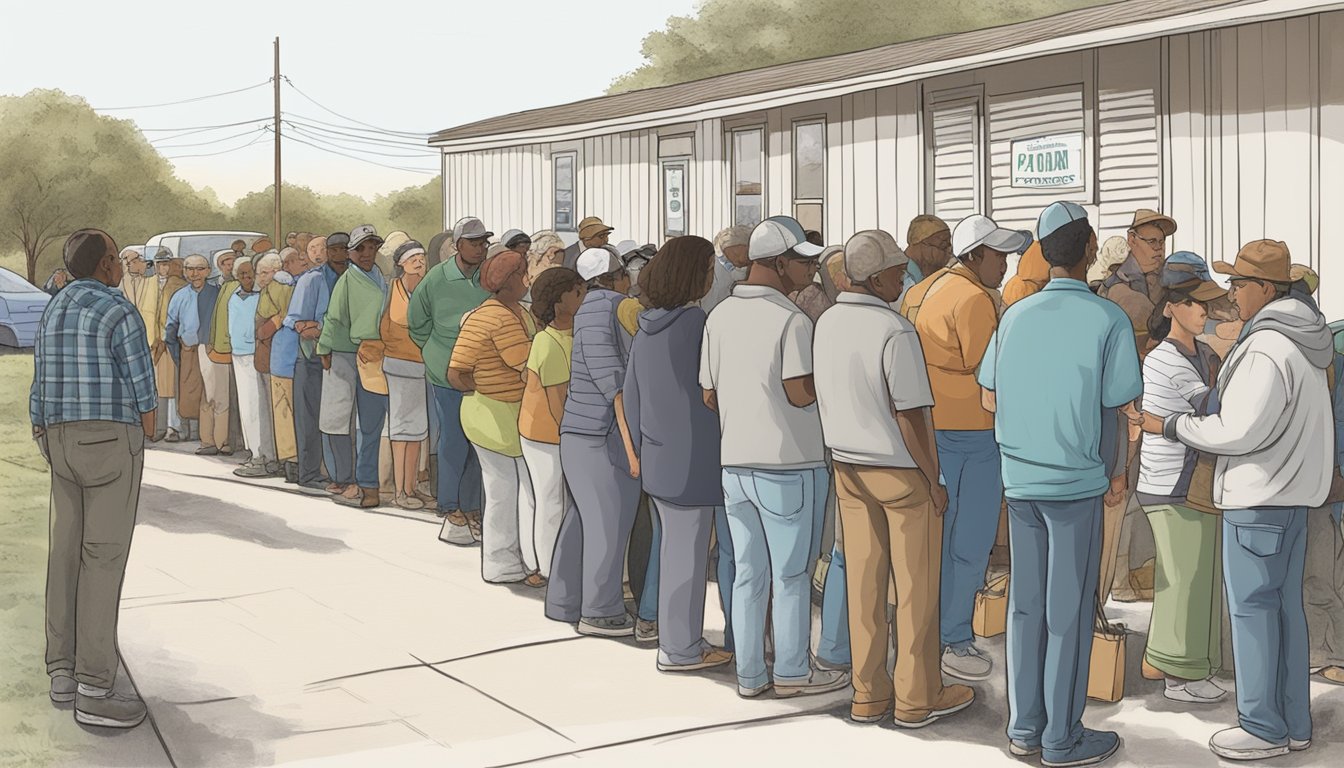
x: 279, y: 236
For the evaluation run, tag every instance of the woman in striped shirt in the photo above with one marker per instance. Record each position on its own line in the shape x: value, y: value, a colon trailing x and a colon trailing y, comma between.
x: 1184, y: 639
x: 488, y: 363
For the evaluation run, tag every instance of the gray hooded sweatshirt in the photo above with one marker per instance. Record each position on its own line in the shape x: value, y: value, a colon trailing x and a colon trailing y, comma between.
x: 1273, y: 435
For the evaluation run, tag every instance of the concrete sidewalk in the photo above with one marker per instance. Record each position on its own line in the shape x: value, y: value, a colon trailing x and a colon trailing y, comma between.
x: 266, y: 627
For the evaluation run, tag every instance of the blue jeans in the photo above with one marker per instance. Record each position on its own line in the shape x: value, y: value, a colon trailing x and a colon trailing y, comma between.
x: 648, y: 597
x: 372, y: 410
x: 833, y: 646
x: 459, y: 480
x: 1264, y: 559
x: 725, y: 572
x: 970, y: 472
x: 772, y: 518
x: 1056, y: 549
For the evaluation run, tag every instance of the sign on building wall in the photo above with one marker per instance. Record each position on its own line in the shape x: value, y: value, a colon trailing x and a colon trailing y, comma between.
x: 1048, y: 162
x: 674, y: 198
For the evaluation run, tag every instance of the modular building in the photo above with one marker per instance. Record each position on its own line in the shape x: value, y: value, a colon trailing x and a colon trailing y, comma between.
x: 1227, y: 116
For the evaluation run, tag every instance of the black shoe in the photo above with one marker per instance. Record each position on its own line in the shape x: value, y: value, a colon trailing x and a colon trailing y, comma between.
x: 292, y: 472
x: 207, y: 450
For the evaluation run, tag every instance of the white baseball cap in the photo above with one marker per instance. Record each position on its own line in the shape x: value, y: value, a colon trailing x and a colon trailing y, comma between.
x: 871, y: 251
x: 596, y: 262
x: 777, y: 236
x: 977, y: 230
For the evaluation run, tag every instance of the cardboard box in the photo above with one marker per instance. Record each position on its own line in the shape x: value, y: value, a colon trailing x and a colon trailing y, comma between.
x: 991, y: 608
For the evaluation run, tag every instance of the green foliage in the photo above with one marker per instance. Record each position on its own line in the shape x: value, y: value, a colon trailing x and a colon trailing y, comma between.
x: 63, y: 167
x: 734, y: 35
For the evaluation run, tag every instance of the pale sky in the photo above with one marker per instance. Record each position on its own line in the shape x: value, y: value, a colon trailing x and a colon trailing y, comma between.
x: 402, y: 65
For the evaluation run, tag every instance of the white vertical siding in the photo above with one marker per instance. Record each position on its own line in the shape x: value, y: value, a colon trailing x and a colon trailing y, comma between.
x: 1129, y: 162
x: 910, y: 158
x: 888, y: 213
x: 865, y: 166
x: 1329, y: 58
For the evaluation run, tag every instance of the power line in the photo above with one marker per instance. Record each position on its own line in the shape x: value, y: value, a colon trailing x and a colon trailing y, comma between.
x: 260, y: 135
x: 288, y: 137
x: 407, y: 134
x: 390, y: 135
x: 361, y: 138
x: 184, y: 101
x: 342, y: 142
x: 200, y: 128
x: 360, y: 150
x: 212, y: 141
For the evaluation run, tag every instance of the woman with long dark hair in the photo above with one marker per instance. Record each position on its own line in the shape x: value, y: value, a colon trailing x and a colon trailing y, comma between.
x: 1184, y: 637
x: 672, y: 443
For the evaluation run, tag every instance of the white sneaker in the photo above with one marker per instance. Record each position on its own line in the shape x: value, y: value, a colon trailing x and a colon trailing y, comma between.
x: 1239, y: 744
x: 967, y: 663
x: 1193, y: 691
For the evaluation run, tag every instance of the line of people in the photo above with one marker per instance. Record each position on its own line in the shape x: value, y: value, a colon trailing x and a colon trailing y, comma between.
x: 733, y: 388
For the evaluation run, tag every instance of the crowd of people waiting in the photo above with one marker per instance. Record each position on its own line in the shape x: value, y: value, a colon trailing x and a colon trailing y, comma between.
x: 738, y: 385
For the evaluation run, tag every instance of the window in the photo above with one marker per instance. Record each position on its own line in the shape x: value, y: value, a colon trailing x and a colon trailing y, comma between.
x: 674, y: 196
x: 748, y: 176
x: 809, y: 173
x: 956, y: 147
x: 563, y: 184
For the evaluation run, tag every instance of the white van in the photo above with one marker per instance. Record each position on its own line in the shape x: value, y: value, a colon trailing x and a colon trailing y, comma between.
x: 207, y: 244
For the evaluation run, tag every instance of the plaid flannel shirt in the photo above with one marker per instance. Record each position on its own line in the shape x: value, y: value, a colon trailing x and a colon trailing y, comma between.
x: 91, y: 359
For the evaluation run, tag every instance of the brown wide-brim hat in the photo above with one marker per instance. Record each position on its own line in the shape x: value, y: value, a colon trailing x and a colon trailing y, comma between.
x: 261, y: 245
x: 1203, y: 291
x: 592, y: 227
x: 1145, y: 216
x: 1259, y: 260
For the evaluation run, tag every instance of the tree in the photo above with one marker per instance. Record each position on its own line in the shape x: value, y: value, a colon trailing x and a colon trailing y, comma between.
x: 735, y: 35
x: 63, y: 167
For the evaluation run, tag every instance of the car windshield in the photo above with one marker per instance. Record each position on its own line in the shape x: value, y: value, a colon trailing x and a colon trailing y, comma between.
x: 207, y: 245
x: 12, y: 283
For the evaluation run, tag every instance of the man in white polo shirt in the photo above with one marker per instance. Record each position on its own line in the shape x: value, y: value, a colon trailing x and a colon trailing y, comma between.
x: 756, y: 372
x: 874, y: 397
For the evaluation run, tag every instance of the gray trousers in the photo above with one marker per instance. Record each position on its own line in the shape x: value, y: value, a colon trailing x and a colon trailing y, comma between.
x: 1323, y: 589
x: 586, y: 570
x: 95, y: 489
x: 683, y: 578
x: 307, y: 410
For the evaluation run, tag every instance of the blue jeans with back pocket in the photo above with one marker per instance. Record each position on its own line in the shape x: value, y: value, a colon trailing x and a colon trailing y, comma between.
x: 1264, y: 559
x: 772, y: 516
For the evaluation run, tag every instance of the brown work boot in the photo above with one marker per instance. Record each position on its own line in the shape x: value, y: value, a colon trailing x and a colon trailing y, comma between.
x: 366, y: 498
x: 953, y: 699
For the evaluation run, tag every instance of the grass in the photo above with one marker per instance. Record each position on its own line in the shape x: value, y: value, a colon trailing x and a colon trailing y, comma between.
x: 30, y: 729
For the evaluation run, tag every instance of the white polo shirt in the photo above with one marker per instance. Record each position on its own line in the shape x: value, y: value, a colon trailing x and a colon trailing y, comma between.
x: 754, y: 340
x: 868, y: 360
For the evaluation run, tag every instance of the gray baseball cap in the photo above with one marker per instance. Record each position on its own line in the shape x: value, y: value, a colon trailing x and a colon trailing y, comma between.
x: 362, y: 233
x: 870, y: 252
x: 470, y: 228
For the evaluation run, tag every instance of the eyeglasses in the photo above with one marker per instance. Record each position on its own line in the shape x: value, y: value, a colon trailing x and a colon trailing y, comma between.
x: 1153, y: 242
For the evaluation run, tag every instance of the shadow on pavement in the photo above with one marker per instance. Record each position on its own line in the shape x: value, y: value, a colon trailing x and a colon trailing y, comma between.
x: 176, y: 512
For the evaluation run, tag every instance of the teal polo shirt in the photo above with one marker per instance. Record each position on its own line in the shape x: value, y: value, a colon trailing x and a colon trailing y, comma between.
x: 1057, y: 359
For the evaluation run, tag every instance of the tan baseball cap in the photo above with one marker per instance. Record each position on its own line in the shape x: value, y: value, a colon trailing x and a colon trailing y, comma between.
x: 924, y: 226
x: 871, y: 251
x: 1260, y: 260
x: 592, y: 227
x: 1305, y: 274
x: 1148, y: 216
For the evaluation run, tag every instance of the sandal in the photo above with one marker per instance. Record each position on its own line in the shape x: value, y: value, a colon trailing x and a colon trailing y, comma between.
x: 474, y: 523
x: 535, y: 579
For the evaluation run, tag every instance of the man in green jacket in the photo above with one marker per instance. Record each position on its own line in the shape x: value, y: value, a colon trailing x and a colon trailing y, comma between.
x: 351, y: 350
x: 451, y: 289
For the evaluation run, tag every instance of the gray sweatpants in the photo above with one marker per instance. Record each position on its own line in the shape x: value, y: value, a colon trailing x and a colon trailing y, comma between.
x: 589, y: 555
x: 1323, y: 589
x: 683, y: 577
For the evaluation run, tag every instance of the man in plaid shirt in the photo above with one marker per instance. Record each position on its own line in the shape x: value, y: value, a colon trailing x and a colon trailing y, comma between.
x: 92, y: 406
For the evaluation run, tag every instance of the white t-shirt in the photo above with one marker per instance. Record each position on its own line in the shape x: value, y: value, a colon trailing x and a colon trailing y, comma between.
x: 1170, y: 386
x: 754, y: 340
x: 868, y: 361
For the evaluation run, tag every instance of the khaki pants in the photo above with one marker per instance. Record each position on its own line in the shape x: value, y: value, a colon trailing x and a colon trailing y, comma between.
x: 215, y: 403
x: 95, y: 488
x: 1112, y: 526
x: 282, y: 417
x: 891, y: 534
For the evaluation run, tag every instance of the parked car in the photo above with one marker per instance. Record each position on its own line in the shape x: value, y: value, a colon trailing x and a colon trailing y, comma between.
x: 21, y: 305
x: 203, y: 243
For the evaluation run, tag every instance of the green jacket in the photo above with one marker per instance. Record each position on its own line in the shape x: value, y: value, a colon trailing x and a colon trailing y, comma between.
x: 435, y: 315
x: 219, y: 323
x: 355, y: 311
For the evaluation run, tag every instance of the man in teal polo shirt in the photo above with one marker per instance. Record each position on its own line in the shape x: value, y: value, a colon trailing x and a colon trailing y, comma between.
x: 451, y: 289
x: 1060, y: 364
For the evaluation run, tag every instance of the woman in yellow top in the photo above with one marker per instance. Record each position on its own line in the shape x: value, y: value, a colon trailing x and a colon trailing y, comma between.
x: 408, y: 402
x: 556, y: 296
x: 487, y: 365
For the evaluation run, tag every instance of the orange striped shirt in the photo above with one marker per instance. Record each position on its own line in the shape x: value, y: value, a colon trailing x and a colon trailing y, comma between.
x: 493, y: 346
